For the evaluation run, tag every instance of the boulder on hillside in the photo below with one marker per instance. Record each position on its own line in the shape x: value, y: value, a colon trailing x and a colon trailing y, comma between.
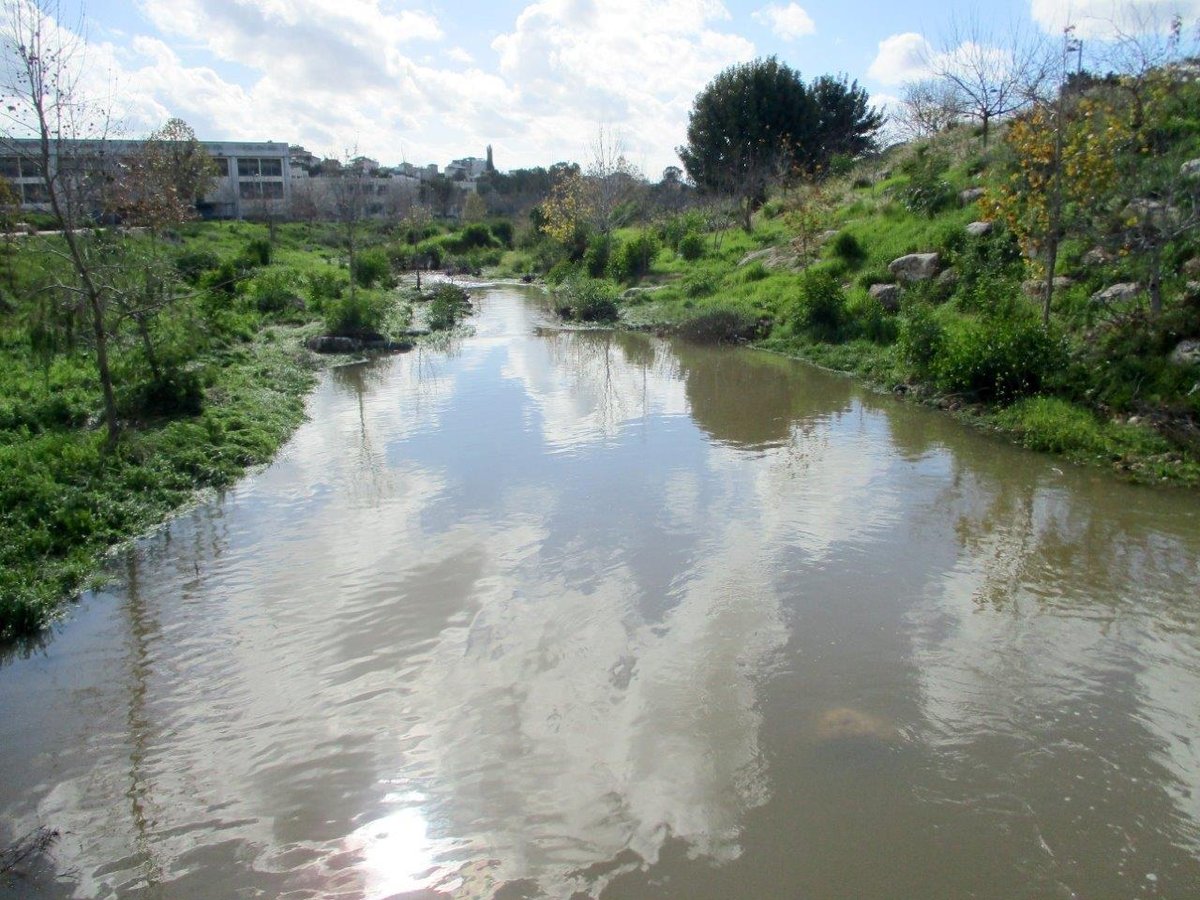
x: 1191, y: 268
x: 1154, y: 213
x: 1036, y: 287
x: 1097, y: 256
x: 886, y: 295
x: 916, y: 266
x: 948, y: 277
x: 979, y: 229
x: 1190, y: 169
x: 1116, y: 293
x: 1186, y: 353
x: 772, y: 258
x: 970, y: 195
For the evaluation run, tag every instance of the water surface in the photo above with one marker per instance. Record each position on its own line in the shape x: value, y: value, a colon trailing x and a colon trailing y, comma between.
x: 582, y: 614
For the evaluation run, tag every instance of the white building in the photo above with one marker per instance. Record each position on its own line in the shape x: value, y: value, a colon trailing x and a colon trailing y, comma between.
x: 252, y: 179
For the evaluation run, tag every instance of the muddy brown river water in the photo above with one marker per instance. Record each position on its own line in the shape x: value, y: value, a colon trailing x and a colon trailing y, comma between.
x: 581, y: 614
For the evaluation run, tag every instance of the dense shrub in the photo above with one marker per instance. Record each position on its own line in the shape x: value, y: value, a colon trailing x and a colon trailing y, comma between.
x: 633, y: 258
x: 372, y: 267
x: 175, y: 392
x: 324, y: 286
x: 920, y: 338
x: 582, y: 299
x: 674, y: 229
x: 866, y: 318
x: 360, y: 315
x: 847, y: 248
x: 997, y: 357
x: 474, y: 236
x: 448, y: 303
x: 700, y: 284
x: 598, y: 255
x: 257, y: 252
x: 819, y: 307
x: 193, y: 264
x: 691, y: 246
x: 274, y: 290
x: 720, y: 325
x: 926, y: 192
x: 502, y: 231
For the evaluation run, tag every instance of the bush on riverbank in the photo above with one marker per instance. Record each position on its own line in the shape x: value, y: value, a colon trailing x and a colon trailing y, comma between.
x: 209, y: 377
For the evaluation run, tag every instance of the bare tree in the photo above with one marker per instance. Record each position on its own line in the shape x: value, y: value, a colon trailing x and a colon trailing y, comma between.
x: 613, y: 183
x: 43, y: 99
x: 992, y: 75
x: 928, y: 107
x: 348, y: 198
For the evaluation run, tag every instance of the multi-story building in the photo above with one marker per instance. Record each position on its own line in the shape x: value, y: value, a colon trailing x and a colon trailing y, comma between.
x: 252, y: 178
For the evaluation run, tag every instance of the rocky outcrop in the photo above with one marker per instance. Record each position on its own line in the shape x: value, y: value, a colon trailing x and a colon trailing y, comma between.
x: 1190, y: 169
x: 1186, y: 353
x: 772, y: 258
x: 970, y: 195
x: 1116, y: 293
x: 979, y: 229
x: 886, y: 295
x: 916, y: 266
x: 1097, y: 256
x: 1036, y: 287
x: 948, y: 278
x: 1191, y: 268
x: 1154, y: 213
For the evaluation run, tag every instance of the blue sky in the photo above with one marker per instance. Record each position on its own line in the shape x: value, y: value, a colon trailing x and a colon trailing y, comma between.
x: 430, y: 80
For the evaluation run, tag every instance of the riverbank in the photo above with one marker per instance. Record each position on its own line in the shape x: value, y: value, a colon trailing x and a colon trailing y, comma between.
x: 1132, y: 449
x: 69, y: 499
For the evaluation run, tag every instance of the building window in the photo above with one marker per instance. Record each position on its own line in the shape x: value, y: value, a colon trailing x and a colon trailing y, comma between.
x: 247, y: 167
x: 272, y: 190
x: 10, y: 166
x: 272, y: 168
x: 249, y: 190
x: 35, y: 193
x: 222, y: 166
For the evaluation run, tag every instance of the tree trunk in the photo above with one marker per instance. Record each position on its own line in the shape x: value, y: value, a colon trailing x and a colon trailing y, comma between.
x: 1051, y: 260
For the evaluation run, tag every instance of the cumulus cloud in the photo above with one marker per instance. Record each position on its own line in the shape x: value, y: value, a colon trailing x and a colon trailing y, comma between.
x: 337, y: 74
x: 901, y: 58
x: 788, y: 22
x: 1107, y: 18
x: 576, y: 63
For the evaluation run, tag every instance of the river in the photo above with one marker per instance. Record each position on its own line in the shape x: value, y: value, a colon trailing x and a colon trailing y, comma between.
x: 568, y: 613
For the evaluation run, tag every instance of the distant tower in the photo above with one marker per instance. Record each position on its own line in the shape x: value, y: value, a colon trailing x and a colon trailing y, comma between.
x: 490, y: 165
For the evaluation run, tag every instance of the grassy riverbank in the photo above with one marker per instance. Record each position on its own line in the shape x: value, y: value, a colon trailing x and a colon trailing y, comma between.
x: 206, y: 332
x: 923, y: 271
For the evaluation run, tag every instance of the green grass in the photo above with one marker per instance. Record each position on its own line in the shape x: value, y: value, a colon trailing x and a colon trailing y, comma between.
x: 238, y: 377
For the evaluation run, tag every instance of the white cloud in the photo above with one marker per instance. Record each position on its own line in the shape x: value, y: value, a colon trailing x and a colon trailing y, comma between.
x: 1105, y: 18
x: 788, y: 22
x: 901, y: 58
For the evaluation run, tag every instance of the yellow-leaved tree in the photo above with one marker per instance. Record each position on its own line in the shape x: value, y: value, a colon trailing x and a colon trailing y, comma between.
x: 1064, y: 167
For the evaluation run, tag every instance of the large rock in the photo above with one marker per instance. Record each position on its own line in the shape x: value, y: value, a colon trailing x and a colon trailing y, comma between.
x: 1154, y: 213
x: 948, y: 278
x: 970, y: 195
x: 1186, y: 353
x: 772, y: 258
x: 916, y: 266
x: 1190, y: 169
x: 1036, y: 287
x: 1191, y: 268
x: 1097, y: 256
x: 1116, y: 293
x: 979, y: 229
x: 886, y: 295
